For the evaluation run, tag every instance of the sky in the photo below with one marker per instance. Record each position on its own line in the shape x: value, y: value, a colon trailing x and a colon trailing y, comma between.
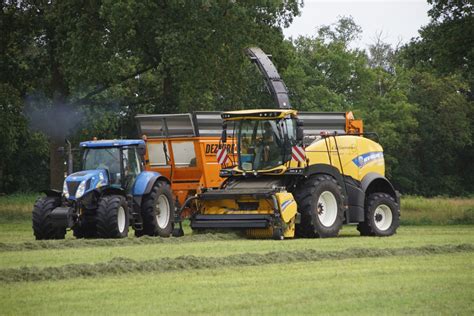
x: 398, y: 21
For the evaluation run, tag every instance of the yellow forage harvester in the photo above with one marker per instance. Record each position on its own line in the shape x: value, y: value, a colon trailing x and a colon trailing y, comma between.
x: 287, y: 181
x: 297, y: 174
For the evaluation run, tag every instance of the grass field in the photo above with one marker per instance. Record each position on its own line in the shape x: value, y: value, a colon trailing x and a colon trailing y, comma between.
x: 427, y: 267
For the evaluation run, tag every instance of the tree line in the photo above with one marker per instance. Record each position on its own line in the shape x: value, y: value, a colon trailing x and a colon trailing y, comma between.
x: 79, y: 69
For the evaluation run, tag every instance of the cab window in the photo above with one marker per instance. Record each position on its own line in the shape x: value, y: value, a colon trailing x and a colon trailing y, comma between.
x: 184, y: 154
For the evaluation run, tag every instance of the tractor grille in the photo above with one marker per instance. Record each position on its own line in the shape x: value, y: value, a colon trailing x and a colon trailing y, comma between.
x: 72, y: 187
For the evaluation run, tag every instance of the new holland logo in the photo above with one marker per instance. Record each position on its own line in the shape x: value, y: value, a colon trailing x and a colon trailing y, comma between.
x: 285, y: 204
x: 361, y: 160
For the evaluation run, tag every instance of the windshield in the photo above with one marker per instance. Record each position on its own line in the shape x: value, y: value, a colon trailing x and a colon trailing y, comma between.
x: 104, y: 158
x: 265, y: 144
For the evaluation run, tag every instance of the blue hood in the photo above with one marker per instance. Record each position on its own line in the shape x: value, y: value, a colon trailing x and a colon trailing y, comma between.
x: 92, y: 179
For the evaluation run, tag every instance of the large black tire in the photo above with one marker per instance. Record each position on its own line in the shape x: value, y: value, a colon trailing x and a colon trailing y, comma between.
x: 87, y: 226
x: 310, y: 197
x: 112, y: 217
x: 382, y: 216
x: 156, y: 221
x: 42, y: 224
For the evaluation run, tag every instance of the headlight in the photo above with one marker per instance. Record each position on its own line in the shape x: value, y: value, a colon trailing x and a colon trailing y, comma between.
x: 65, y: 190
x: 81, y: 189
x: 101, y: 180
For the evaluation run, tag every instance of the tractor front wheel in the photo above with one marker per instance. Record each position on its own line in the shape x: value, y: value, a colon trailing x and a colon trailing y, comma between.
x: 382, y: 216
x: 158, y: 211
x: 112, y: 217
x: 320, y: 202
x: 42, y: 224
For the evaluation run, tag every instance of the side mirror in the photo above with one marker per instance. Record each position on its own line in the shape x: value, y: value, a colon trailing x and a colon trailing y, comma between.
x: 224, y: 133
x: 299, y: 130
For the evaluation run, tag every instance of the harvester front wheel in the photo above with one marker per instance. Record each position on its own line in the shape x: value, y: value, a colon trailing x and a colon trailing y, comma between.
x: 112, y: 217
x: 42, y: 224
x: 320, y: 202
x: 158, y: 211
x: 382, y: 217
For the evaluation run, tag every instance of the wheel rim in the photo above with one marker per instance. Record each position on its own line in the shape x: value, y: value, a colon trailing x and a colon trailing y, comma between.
x: 383, y: 217
x: 162, y: 211
x: 327, y: 209
x: 121, y: 219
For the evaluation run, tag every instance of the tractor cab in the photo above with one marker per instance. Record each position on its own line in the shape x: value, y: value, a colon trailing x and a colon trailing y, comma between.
x: 123, y: 159
x: 106, y: 163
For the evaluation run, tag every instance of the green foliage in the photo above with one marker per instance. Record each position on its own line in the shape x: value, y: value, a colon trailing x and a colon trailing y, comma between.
x: 89, y: 68
x: 443, y: 84
x: 23, y: 163
x: 325, y: 75
x: 446, y: 44
x: 424, y: 119
x: 11, y: 121
x: 445, y: 127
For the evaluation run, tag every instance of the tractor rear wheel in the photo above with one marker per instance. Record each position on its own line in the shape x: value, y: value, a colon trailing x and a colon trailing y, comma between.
x: 112, y: 217
x: 158, y: 211
x: 320, y: 203
x: 42, y: 224
x: 382, y: 216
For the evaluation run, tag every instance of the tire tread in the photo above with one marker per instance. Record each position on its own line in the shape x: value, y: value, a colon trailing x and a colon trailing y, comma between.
x: 367, y: 227
x: 304, y: 196
x: 106, y: 218
x: 42, y: 224
x: 150, y: 226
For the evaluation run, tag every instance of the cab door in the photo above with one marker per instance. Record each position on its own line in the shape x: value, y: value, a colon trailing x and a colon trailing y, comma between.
x: 131, y: 166
x: 158, y: 157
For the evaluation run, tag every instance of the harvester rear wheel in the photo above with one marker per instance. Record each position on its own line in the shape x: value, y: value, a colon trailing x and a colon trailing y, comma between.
x: 320, y: 203
x: 112, y: 217
x: 382, y: 217
x: 42, y: 224
x: 158, y: 211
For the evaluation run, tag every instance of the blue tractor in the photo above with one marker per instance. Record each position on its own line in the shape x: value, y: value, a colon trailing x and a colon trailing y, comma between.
x: 112, y: 193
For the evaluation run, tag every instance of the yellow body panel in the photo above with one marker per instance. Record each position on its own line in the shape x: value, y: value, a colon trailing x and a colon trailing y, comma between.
x: 288, y: 206
x: 288, y: 210
x: 359, y: 155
